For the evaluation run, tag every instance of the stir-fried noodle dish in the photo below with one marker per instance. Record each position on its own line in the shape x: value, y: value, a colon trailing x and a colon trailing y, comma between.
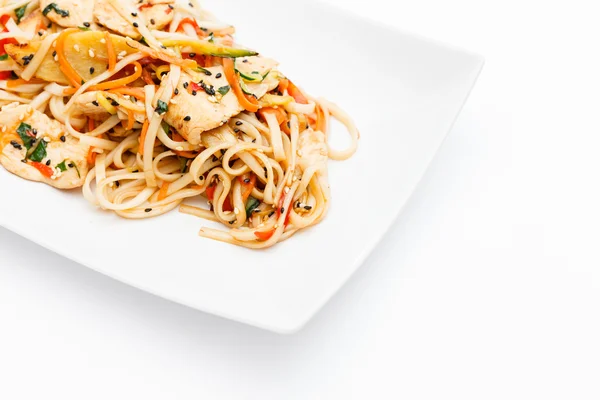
x: 144, y: 104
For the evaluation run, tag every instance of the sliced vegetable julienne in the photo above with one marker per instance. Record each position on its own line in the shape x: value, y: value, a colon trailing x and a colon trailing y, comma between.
x: 207, y: 48
x: 79, y: 47
x: 274, y: 100
x: 103, y: 101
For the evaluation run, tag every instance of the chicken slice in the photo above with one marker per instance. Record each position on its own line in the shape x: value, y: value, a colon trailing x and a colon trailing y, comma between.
x: 156, y: 13
x: 193, y: 114
x: 61, y: 149
x: 258, y: 73
x: 68, y: 13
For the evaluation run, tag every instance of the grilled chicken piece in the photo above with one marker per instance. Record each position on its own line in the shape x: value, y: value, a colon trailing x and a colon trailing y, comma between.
x: 193, y: 114
x: 69, y: 13
x: 70, y: 151
x: 218, y: 136
x: 156, y: 14
x: 79, y: 48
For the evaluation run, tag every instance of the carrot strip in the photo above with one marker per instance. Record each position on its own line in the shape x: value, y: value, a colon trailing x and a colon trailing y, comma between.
x: 120, y: 82
x: 136, y: 92
x: 283, y: 85
x: 321, y: 123
x: 296, y: 93
x: 278, y: 112
x: 110, y: 51
x: 130, y: 120
x: 147, y: 77
x: 164, y: 190
x: 11, y: 83
x: 66, y: 68
x: 248, y: 102
x: 143, y: 137
x: 91, y: 156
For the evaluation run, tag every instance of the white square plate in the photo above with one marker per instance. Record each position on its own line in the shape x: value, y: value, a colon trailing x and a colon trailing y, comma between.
x: 404, y: 93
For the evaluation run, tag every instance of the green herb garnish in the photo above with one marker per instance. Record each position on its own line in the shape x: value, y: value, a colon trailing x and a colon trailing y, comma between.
x: 183, y: 164
x: 223, y: 90
x: 62, y: 166
x: 20, y: 12
x: 24, y: 131
x: 251, y: 205
x: 59, y: 11
x: 83, y: 28
x: 161, y: 108
x: 40, y: 152
x: 4, y: 57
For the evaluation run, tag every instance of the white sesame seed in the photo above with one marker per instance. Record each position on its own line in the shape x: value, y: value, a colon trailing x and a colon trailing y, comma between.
x: 286, y: 189
x: 91, y: 53
x: 22, y: 117
x: 4, y: 128
x: 103, y: 41
x: 56, y: 58
x: 236, y: 211
x: 299, y: 152
x: 46, y: 139
x: 76, y: 47
x: 54, y: 44
x: 179, y: 148
x: 123, y: 53
x: 294, y: 179
x: 53, y: 177
x: 212, y: 99
x: 276, y: 226
x: 29, y: 109
x: 261, y: 225
x: 173, y: 101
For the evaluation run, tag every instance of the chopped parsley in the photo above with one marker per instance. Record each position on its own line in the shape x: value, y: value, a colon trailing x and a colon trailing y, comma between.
x: 40, y: 152
x: 251, y: 205
x: 161, y: 108
x: 4, y: 57
x: 223, y: 90
x: 20, y: 13
x: 183, y: 164
x: 59, y: 11
x: 83, y: 28
x: 25, y: 133
x: 211, y: 37
x: 62, y: 166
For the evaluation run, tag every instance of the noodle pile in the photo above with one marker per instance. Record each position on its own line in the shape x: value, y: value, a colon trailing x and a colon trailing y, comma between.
x: 263, y: 166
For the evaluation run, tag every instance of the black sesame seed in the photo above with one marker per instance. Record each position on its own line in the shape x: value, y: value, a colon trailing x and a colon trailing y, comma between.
x: 134, y: 14
x: 187, y: 118
x: 215, y: 159
x: 246, y: 180
x: 245, y: 61
x: 54, y: 53
x: 288, y: 124
x: 48, y: 162
x: 92, y: 70
x: 192, y: 55
x: 148, y: 210
x: 152, y: 21
x: 191, y: 5
x: 201, y: 177
x: 185, y: 85
x: 34, y: 131
x: 253, y: 140
x: 239, y: 123
x: 231, y: 222
x: 236, y: 130
x: 308, y: 208
x: 114, y: 103
x: 71, y: 165
x: 218, y: 75
x: 282, y: 210
x: 162, y: 46
x: 135, y: 24
x: 194, y: 93
x: 86, y: 24
x: 63, y: 139
x: 40, y: 33
x: 176, y: 92
x: 271, y: 214
x: 171, y: 6
x: 16, y: 145
x: 117, y: 184
x: 95, y: 103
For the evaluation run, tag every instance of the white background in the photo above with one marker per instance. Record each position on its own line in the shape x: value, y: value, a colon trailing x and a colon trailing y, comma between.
x: 488, y: 287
